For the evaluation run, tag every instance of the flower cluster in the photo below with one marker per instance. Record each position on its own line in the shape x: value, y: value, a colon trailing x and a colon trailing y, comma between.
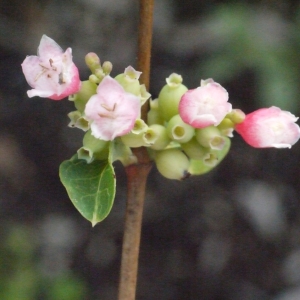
x: 187, y: 131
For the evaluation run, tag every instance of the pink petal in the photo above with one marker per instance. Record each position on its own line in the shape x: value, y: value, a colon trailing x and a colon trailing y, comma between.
x: 112, y: 111
x: 204, y: 106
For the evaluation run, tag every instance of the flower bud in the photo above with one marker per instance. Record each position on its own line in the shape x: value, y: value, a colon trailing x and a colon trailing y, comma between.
x: 172, y: 164
x: 269, y: 127
x: 107, y: 67
x: 154, y: 116
x: 146, y: 138
x: 237, y: 116
x: 87, y: 90
x: 93, y: 61
x: 139, y: 126
x: 210, y: 137
x: 99, y: 73
x: 94, y: 79
x: 226, y: 127
x: 93, y: 148
x: 130, y: 80
x: 179, y: 131
x: 170, y: 95
x: 78, y: 121
x: 210, y: 160
x: 162, y: 140
x: 194, y: 150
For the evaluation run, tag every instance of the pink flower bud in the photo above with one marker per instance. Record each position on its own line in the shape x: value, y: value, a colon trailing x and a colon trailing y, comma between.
x: 112, y: 112
x: 52, y: 74
x: 204, y: 106
x: 269, y: 127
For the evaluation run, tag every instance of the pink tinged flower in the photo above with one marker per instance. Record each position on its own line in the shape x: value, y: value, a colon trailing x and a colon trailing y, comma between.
x: 205, y: 106
x: 52, y: 73
x: 112, y: 112
x: 269, y: 127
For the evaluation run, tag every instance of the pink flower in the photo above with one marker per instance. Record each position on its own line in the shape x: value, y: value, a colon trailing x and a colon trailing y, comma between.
x: 269, y: 127
x: 112, y: 112
x: 204, y: 106
x: 52, y: 74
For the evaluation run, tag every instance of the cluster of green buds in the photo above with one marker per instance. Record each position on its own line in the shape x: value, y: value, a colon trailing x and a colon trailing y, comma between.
x: 183, y: 149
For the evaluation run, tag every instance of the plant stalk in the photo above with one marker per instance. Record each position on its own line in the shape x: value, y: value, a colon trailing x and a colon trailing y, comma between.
x: 137, y: 174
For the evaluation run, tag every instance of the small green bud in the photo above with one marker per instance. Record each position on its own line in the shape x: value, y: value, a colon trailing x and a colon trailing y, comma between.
x: 94, y: 79
x: 179, y: 131
x: 74, y: 116
x: 154, y: 117
x: 139, y: 126
x: 107, y: 67
x: 87, y: 90
x: 78, y: 121
x: 144, y: 138
x: 210, y: 137
x: 150, y: 136
x: 93, y: 148
x: 194, y: 150
x: 172, y: 164
x: 210, y: 160
x: 133, y: 140
x: 225, y: 124
x: 170, y: 95
x: 236, y: 116
x: 100, y: 74
x: 130, y: 80
x: 162, y: 140
x: 93, y: 61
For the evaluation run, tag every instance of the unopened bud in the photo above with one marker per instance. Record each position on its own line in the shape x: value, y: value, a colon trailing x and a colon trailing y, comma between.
x: 210, y: 160
x: 237, y: 116
x: 145, y: 138
x: 194, y: 150
x: 94, y: 79
x: 172, y: 164
x: 93, y: 148
x: 170, y: 95
x: 107, y: 67
x: 93, y: 61
x: 179, y: 131
x: 130, y: 80
x: 162, y: 140
x: 210, y: 137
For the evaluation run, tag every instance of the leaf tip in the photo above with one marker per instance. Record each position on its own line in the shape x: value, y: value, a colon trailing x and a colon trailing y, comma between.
x: 94, y: 223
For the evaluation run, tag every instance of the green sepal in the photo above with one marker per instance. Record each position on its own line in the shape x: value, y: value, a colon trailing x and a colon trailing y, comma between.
x: 198, y: 167
x: 91, y: 187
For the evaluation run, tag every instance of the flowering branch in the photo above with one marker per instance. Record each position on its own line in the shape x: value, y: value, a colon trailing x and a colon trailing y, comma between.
x: 186, y: 132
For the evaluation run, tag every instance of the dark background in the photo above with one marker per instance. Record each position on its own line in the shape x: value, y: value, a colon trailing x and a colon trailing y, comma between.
x: 228, y: 235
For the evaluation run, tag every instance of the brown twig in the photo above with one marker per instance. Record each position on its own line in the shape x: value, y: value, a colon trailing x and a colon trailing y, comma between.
x: 137, y: 174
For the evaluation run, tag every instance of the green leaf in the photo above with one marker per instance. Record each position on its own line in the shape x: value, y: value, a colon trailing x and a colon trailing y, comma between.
x: 91, y: 187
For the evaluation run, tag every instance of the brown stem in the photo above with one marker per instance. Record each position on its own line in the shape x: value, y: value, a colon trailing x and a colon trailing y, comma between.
x: 137, y: 177
x: 137, y: 174
x: 144, y: 45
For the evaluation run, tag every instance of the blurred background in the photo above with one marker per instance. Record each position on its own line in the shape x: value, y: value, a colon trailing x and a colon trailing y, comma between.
x: 231, y: 234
